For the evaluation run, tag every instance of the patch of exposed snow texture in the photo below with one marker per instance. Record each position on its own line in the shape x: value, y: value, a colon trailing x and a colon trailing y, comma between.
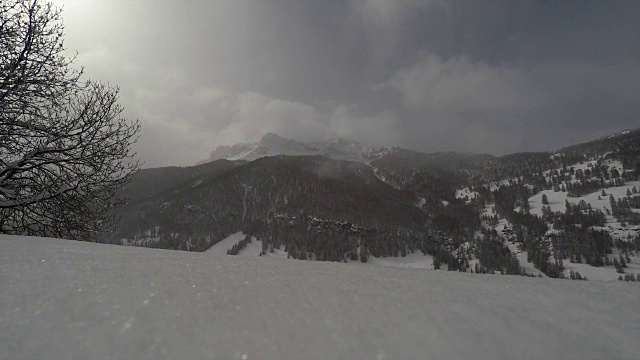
x: 76, y: 300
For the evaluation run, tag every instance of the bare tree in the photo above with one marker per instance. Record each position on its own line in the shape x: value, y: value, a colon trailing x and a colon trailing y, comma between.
x: 64, y: 147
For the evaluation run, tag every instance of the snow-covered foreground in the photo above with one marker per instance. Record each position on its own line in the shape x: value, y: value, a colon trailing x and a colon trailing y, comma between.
x: 74, y: 300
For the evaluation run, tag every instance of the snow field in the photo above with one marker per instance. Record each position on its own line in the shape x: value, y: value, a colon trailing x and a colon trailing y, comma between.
x: 557, y: 203
x: 557, y: 199
x: 76, y: 300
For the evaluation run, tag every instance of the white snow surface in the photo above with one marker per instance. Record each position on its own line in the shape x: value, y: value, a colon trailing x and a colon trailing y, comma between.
x: 63, y: 299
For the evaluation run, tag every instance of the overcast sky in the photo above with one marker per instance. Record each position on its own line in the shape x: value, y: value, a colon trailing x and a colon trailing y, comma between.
x: 471, y: 76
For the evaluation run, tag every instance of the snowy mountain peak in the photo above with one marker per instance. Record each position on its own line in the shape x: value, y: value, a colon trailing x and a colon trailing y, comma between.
x: 269, y: 145
x: 272, y: 138
x: 272, y: 144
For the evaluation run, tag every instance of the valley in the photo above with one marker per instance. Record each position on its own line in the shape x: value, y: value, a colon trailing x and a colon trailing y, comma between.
x: 343, y: 201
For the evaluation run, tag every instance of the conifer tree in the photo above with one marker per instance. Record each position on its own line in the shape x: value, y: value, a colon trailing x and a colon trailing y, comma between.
x: 623, y: 262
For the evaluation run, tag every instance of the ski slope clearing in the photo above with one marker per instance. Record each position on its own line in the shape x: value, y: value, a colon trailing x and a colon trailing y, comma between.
x: 557, y: 199
x: 220, y: 248
x: 253, y: 249
x: 75, y: 300
x: 557, y: 203
x: 415, y: 260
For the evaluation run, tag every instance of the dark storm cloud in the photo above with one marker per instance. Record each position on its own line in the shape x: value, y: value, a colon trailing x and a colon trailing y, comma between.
x: 483, y: 76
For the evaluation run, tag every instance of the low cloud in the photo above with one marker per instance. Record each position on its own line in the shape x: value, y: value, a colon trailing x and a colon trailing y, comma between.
x: 460, y: 105
x: 458, y: 85
x: 248, y: 116
x: 486, y: 76
x: 213, y: 117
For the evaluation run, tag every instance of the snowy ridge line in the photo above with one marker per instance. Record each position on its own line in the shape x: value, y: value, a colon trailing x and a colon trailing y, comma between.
x: 272, y: 145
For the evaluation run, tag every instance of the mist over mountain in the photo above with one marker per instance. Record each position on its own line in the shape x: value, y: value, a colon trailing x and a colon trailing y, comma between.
x: 272, y: 144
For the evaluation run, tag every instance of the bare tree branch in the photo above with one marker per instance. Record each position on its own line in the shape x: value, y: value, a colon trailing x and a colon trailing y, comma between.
x: 65, y: 149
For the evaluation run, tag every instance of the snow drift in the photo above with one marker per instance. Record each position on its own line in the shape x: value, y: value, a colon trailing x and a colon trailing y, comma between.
x: 76, y: 300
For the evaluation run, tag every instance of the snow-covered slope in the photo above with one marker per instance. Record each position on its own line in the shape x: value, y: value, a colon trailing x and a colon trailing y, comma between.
x: 75, y: 300
x: 558, y: 199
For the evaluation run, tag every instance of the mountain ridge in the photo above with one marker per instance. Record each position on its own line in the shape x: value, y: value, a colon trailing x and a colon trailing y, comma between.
x: 272, y: 144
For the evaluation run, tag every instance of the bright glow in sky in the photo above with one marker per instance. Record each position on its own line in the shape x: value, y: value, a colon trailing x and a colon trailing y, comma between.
x: 490, y: 76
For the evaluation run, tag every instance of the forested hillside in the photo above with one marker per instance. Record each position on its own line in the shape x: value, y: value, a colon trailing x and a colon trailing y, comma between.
x: 570, y: 211
x: 253, y: 196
